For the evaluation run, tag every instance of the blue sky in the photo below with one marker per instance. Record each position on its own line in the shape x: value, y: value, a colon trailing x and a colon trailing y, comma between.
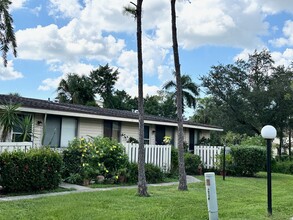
x: 56, y: 37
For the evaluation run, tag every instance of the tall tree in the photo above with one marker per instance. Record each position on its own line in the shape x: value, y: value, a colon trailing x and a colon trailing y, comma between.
x: 123, y: 101
x: 189, y: 90
x: 182, y: 174
x: 253, y: 93
x: 7, y: 36
x: 104, y: 79
x: 136, y: 11
x: 76, y: 89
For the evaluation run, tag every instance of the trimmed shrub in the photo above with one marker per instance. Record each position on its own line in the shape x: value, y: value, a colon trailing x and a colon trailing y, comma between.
x: 174, y: 160
x: 153, y: 173
x: 192, y: 163
x: 37, y: 169
x: 285, y: 167
x: 247, y: 160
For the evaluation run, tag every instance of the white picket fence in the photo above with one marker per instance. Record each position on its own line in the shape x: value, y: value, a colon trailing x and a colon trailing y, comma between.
x: 13, y: 146
x: 208, y: 154
x: 159, y: 155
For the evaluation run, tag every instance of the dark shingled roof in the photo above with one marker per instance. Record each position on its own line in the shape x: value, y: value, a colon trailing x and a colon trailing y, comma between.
x: 50, y: 105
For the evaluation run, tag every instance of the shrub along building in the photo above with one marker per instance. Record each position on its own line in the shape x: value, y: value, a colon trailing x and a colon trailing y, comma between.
x: 55, y: 124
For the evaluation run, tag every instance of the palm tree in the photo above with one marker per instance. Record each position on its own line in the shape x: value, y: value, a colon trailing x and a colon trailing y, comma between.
x: 8, y: 119
x: 136, y: 12
x: 76, y: 90
x: 189, y: 90
x: 7, y: 36
x: 182, y: 174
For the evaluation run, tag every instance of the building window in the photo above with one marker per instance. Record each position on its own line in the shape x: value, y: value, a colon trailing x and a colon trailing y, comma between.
x: 146, y: 134
x: 23, y: 130
x: 112, y: 130
x: 59, y: 131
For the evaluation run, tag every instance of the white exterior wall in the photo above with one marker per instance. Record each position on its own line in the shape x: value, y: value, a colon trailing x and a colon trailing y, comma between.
x: 204, y: 133
x: 90, y: 127
x: 129, y: 129
x: 38, y: 127
x: 186, y: 135
x: 152, y: 134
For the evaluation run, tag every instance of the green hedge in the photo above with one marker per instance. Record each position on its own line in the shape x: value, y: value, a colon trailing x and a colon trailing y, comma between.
x: 37, y: 169
x: 247, y: 160
x: 153, y: 173
x: 285, y: 167
x: 192, y: 162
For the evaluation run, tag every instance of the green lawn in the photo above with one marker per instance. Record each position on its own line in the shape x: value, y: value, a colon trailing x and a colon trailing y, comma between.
x: 238, y: 198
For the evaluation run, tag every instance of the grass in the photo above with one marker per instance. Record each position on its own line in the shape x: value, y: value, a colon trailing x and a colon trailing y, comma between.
x: 59, y: 189
x: 238, y: 198
x: 105, y: 185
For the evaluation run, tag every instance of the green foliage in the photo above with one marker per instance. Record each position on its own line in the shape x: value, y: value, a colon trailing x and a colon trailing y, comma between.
x: 152, y: 172
x: 37, y: 169
x: 192, y: 163
x: 7, y: 36
x: 76, y: 89
x: 285, y: 167
x: 256, y: 140
x: 104, y: 79
x: 251, y: 93
x: 247, y: 160
x: 86, y: 159
x: 8, y: 119
x: 174, y: 160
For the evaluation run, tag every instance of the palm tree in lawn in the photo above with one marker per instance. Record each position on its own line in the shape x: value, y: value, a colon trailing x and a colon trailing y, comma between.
x: 182, y: 174
x: 136, y: 12
x: 189, y: 90
x: 7, y: 36
x: 8, y: 119
x: 76, y: 89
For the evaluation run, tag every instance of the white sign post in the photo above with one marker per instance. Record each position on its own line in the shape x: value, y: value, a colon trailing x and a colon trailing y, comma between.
x: 211, y: 195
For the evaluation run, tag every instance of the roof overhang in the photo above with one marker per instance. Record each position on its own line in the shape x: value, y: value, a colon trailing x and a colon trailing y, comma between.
x: 105, y: 117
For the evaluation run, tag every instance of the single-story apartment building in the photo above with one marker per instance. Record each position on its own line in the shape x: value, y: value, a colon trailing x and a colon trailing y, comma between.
x: 56, y: 124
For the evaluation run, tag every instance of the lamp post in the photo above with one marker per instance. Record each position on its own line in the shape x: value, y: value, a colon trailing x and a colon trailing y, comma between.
x: 269, y: 133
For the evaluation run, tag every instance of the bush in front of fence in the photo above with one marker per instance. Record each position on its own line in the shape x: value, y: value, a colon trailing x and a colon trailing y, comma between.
x: 35, y: 170
x: 192, y: 162
x: 153, y: 173
x: 85, y: 159
x: 247, y: 160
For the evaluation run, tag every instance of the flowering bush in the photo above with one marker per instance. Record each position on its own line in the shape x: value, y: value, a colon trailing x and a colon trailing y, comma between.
x: 93, y: 157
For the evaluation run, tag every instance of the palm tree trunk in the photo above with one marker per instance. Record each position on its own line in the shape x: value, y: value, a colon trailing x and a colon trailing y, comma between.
x: 182, y: 174
x: 142, y: 186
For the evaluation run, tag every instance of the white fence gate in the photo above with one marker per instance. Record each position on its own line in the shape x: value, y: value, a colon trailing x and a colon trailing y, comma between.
x: 12, y: 146
x: 208, y: 154
x: 159, y: 155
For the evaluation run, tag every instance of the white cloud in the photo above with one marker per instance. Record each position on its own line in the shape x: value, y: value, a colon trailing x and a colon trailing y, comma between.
x: 215, y: 22
x: 8, y: 73
x: 273, y: 6
x: 284, y: 58
x: 49, y: 84
x: 64, y: 8
x: 287, y: 40
x: 17, y: 4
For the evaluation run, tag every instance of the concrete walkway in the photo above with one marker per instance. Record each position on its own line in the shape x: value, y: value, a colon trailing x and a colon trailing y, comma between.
x: 79, y: 189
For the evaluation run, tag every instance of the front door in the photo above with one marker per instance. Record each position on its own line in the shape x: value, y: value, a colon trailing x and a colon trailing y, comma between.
x: 160, y: 134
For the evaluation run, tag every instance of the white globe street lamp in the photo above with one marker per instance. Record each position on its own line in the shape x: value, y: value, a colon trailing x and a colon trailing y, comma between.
x: 269, y: 133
